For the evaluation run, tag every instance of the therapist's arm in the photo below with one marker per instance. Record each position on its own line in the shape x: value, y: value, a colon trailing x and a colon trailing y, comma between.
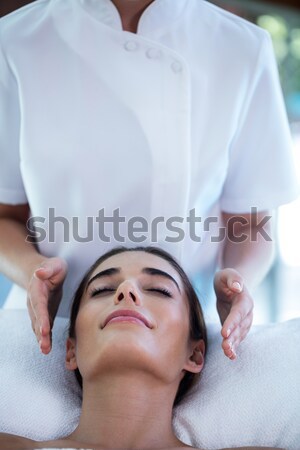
x: 41, y: 277
x: 247, y: 256
x: 18, y: 257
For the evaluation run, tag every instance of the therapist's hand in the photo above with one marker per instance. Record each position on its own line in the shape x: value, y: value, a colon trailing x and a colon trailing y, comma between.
x: 43, y: 298
x: 235, y: 308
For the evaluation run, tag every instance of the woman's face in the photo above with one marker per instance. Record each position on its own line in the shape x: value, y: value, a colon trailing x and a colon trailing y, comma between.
x: 134, y: 314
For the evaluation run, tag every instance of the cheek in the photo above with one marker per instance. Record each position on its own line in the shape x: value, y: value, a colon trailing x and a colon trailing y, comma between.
x: 173, y: 315
x: 89, y: 317
x: 87, y: 332
x: 173, y: 327
x: 83, y: 322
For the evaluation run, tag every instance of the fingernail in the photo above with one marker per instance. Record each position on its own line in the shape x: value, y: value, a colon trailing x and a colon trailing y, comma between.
x: 228, y: 332
x: 236, y: 285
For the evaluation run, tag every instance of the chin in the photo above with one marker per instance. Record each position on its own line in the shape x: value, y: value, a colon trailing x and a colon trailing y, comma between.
x: 119, y: 351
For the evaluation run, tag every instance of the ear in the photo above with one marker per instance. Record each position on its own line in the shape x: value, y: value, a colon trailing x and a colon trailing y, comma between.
x: 71, y: 363
x: 195, y: 361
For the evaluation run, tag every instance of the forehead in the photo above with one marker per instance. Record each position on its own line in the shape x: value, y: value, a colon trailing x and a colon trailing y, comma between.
x: 131, y: 264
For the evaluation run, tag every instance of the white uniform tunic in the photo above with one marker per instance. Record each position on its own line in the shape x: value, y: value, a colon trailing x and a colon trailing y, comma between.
x: 187, y: 114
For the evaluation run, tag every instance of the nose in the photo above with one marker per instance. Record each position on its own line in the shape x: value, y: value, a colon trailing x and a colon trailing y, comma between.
x: 128, y: 293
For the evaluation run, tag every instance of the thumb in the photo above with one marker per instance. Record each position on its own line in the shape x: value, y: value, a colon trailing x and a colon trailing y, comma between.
x: 235, y: 283
x: 43, y: 273
x: 55, y: 268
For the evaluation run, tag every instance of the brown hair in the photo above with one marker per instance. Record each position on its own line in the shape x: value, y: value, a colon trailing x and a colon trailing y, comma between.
x: 197, y: 323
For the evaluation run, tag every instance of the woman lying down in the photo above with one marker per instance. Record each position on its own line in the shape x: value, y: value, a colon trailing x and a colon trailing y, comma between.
x: 136, y: 342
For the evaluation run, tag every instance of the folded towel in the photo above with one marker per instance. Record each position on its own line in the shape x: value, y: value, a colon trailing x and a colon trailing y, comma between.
x: 254, y: 400
x: 39, y: 398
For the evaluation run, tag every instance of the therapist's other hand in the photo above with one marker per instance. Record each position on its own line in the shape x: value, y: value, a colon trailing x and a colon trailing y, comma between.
x: 43, y: 299
x: 235, y: 308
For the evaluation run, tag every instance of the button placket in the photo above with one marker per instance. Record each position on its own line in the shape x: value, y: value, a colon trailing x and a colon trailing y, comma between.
x: 171, y: 192
x: 176, y: 66
x: 153, y: 53
x: 131, y: 46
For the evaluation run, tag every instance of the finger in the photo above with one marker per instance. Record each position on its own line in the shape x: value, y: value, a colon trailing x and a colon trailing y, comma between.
x: 54, y: 270
x: 45, y: 344
x: 43, y: 341
x: 244, y: 329
x: 38, y: 307
x: 39, y: 304
x: 237, y: 314
x: 228, y: 348
x: 235, y: 283
x: 238, y: 335
x: 226, y: 331
x: 32, y: 317
x: 34, y: 322
x: 224, y: 275
x: 229, y: 351
x: 43, y: 273
x: 41, y: 313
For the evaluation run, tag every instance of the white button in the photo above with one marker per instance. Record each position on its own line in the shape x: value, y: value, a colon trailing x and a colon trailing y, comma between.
x: 131, y: 46
x: 153, y: 53
x: 176, y: 66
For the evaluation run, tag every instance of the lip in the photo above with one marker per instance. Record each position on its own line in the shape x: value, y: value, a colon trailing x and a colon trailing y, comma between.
x: 127, y: 313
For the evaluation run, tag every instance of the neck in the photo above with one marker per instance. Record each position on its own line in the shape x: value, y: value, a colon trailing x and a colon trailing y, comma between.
x: 130, y: 12
x: 130, y: 411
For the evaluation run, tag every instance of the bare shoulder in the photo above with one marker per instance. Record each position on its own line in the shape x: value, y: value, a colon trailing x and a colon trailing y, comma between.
x: 239, y: 448
x: 13, y: 442
x: 254, y: 448
x: 235, y: 448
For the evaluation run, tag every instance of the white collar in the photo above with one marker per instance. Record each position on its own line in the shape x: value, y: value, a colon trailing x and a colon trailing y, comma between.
x: 158, y: 14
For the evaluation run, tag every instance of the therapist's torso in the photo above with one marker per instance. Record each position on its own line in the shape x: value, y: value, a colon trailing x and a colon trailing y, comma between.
x: 142, y: 124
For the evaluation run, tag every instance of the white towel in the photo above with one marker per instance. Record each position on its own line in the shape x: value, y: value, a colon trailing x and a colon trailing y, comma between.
x: 254, y: 400
x: 39, y: 398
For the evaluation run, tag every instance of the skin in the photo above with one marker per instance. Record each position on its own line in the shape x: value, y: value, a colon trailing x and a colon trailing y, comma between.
x: 152, y: 361
x: 10, y: 442
x: 130, y: 12
x: 246, y: 262
x: 129, y: 371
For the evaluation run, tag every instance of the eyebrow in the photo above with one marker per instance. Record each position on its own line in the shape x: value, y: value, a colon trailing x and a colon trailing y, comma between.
x: 104, y: 273
x: 161, y: 273
x: 116, y: 270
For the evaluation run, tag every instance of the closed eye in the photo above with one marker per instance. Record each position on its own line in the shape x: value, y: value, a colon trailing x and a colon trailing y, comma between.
x: 162, y: 291
x: 106, y: 290
x: 99, y: 291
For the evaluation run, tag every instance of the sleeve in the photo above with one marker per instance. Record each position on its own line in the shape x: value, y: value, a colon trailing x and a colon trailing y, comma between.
x: 262, y: 170
x: 11, y: 185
